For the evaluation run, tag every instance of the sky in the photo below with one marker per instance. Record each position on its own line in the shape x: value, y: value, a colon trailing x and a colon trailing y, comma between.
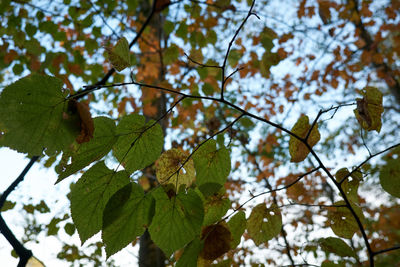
x: 37, y: 185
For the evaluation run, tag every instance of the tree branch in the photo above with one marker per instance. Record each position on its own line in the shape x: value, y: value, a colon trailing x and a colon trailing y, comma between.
x: 23, y: 253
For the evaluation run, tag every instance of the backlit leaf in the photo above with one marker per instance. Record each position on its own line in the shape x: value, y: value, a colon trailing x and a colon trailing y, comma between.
x: 190, y: 254
x: 138, y: 145
x: 212, y: 165
x: 389, y: 177
x: 298, y: 150
x: 369, y: 109
x: 177, y: 220
x: 337, y: 246
x: 168, y: 165
x: 342, y: 221
x: 215, y: 207
x: 126, y: 216
x: 350, y: 185
x: 34, y: 115
x: 237, y: 225
x: 119, y: 54
x: 90, y: 195
x: 264, y: 223
x: 82, y: 155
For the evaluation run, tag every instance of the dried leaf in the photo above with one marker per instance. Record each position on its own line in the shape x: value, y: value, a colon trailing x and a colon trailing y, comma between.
x: 86, y: 122
x: 369, y: 109
x: 217, y: 239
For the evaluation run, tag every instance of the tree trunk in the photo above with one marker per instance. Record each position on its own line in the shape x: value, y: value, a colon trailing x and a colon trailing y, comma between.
x: 149, y: 254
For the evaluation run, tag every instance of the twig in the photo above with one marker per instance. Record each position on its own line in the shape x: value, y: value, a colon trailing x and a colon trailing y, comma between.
x: 89, y: 89
x: 271, y: 191
x: 386, y: 250
x: 223, y: 80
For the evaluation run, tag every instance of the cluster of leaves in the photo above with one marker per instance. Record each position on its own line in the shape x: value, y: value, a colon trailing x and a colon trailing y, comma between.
x: 185, y: 62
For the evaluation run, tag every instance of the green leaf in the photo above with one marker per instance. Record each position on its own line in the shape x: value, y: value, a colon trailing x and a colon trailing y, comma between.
x: 212, y: 165
x: 215, y: 207
x: 389, y: 177
x: 208, y: 89
x: 127, y: 214
x: 69, y: 228
x: 190, y: 254
x: 337, y: 246
x: 171, y: 54
x: 369, y: 109
x: 90, y: 195
x: 177, y: 220
x: 350, y: 185
x: 34, y: 115
x: 342, y: 222
x: 234, y: 56
x: 298, y: 150
x: 82, y: 155
x: 237, y: 225
x: 168, y: 165
x: 182, y: 30
x: 138, y: 145
x: 8, y: 205
x: 264, y: 223
x: 168, y: 27
x: 267, y: 36
x: 119, y: 54
x: 246, y: 122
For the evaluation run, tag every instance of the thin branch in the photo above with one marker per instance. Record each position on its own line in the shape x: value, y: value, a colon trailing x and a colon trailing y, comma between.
x: 23, y: 253
x: 223, y: 80
x: 366, y: 160
x: 201, y: 144
x: 98, y: 12
x: 271, y: 191
x: 146, y: 129
x: 386, y: 250
x: 201, y: 64
x: 89, y: 89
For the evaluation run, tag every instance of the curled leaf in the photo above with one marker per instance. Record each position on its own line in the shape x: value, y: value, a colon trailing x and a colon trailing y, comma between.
x: 369, y: 109
x: 298, y: 150
x: 119, y: 54
x: 86, y: 121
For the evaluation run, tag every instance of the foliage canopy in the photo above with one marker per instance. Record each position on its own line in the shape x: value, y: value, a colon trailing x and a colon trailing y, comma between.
x: 207, y: 123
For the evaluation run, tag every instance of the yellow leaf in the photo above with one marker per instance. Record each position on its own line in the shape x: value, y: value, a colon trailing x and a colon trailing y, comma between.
x: 171, y: 168
x: 298, y: 150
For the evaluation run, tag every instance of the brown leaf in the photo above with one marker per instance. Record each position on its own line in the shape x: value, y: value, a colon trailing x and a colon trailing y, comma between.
x: 85, y: 118
x: 161, y: 4
x: 217, y: 240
